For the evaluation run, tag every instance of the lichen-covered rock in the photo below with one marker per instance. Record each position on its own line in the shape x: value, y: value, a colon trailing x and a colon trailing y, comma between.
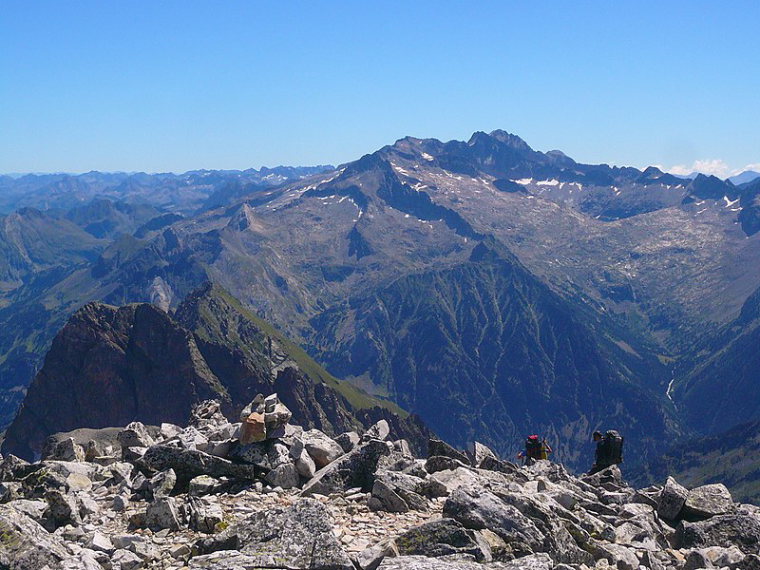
x: 619, y: 556
x: 62, y: 510
x: 163, y: 513
x: 354, y: 469
x: 480, y: 509
x: 285, y: 476
x: 299, y: 536
x: 25, y: 545
x: 740, y: 530
x: 671, y: 501
x: 162, y: 484
x: 205, y: 515
x: 189, y: 463
x: 321, y: 448
x: 203, y: 485
x: 530, y: 562
x: 436, y: 447
x: 443, y: 537
x: 707, y: 501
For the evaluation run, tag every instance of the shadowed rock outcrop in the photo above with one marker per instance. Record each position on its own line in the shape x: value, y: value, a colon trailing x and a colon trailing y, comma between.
x: 110, y: 366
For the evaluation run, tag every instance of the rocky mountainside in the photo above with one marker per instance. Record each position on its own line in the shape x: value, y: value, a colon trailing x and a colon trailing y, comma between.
x: 719, y: 388
x: 109, y: 366
x: 730, y: 458
x: 485, y: 351
x: 608, y: 276
x: 205, y: 497
x: 177, y: 192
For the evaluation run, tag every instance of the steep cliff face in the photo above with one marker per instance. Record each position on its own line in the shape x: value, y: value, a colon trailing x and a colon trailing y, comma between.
x: 110, y: 366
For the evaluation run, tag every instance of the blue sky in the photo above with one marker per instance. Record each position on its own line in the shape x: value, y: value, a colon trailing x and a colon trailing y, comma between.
x: 179, y: 85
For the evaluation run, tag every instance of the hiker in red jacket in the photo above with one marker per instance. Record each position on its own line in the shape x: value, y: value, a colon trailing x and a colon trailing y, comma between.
x: 535, y: 449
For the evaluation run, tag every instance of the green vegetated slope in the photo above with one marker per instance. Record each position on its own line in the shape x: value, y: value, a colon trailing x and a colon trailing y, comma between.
x: 216, y: 317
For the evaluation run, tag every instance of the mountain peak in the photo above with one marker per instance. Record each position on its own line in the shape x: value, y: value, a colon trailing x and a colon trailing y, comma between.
x: 510, y: 140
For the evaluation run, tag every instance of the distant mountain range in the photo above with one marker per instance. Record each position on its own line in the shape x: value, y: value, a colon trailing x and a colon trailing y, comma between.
x: 493, y: 289
x: 745, y: 177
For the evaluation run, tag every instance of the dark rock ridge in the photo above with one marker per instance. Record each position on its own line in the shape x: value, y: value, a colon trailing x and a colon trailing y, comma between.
x: 110, y: 366
x: 198, y: 497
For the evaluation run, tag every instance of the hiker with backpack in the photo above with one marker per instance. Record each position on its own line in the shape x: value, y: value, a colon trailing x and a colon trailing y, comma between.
x: 534, y: 449
x: 609, y: 450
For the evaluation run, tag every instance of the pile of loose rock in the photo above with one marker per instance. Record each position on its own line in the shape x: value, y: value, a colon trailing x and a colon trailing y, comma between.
x: 262, y: 493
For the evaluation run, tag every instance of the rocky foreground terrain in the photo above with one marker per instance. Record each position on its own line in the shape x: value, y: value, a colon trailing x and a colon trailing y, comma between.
x: 266, y: 494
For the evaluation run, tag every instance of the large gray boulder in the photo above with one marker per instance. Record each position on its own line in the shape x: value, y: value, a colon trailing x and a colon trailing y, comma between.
x: 741, y: 530
x: 672, y: 498
x: 475, y: 508
x: 707, y: 501
x: 267, y: 455
x: 443, y: 537
x: 65, y: 450
x: 321, y: 447
x: 354, y: 469
x: 299, y: 536
x: 482, y: 453
x: 163, y: 513
x: 618, y: 556
x: 25, y: 545
x: 273, y: 458
x: 530, y: 562
x: 394, y: 491
x: 135, y: 435
x: 189, y: 463
x: 381, y: 430
x: 304, y: 463
x: 438, y: 448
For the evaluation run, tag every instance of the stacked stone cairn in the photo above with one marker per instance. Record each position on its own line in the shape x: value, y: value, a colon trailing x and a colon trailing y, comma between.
x: 262, y: 493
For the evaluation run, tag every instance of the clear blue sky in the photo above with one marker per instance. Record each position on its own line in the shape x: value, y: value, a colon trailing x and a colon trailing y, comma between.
x: 178, y: 85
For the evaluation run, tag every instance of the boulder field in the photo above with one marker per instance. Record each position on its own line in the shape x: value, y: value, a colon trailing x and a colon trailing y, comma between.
x: 217, y: 495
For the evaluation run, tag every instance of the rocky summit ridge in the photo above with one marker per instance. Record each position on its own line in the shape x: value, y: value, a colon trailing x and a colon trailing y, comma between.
x: 204, y: 497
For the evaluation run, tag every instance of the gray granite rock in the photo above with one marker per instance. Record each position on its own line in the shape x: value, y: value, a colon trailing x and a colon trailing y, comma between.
x: 25, y: 545
x: 707, y: 501
x: 299, y: 536
x: 354, y: 469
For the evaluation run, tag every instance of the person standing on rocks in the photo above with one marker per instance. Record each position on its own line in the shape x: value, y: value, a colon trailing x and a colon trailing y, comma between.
x: 609, y: 450
x: 535, y: 449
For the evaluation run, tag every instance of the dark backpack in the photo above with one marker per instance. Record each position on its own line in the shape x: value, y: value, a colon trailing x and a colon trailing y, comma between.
x: 533, y: 448
x: 614, y: 447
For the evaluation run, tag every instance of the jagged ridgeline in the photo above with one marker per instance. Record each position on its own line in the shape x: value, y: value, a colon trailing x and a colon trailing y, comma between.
x: 112, y: 365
